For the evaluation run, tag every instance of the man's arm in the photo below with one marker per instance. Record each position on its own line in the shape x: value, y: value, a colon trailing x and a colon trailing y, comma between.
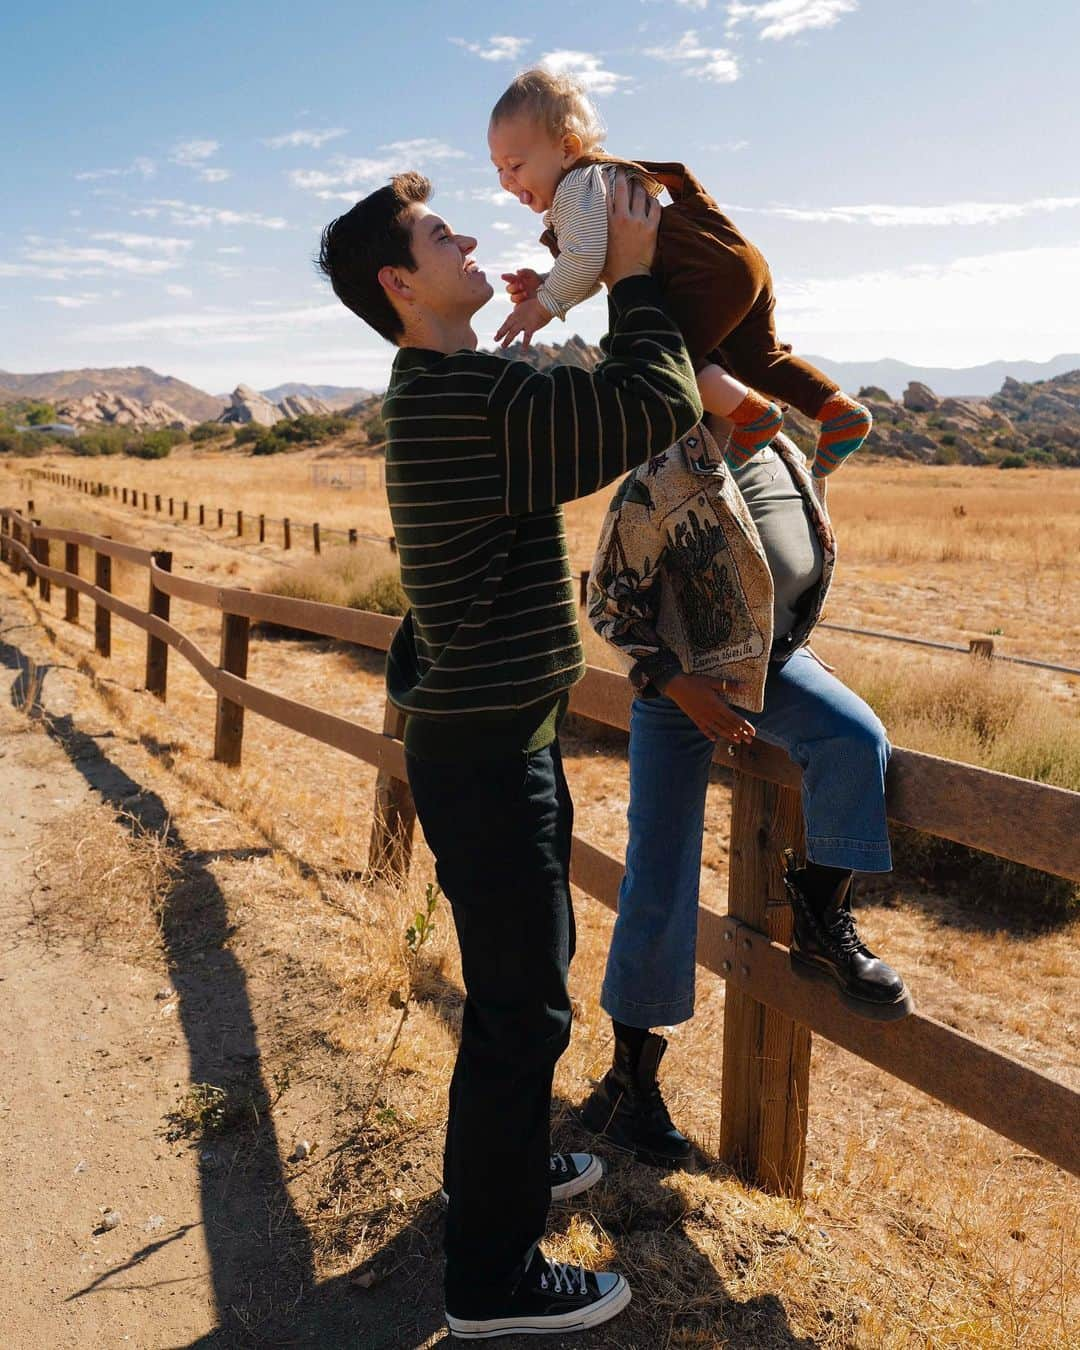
x: 567, y: 432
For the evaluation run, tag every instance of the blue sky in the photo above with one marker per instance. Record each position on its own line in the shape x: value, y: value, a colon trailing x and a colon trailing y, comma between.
x: 909, y: 169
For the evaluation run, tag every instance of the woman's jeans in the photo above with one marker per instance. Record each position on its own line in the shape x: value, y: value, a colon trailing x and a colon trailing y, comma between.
x: 843, y: 752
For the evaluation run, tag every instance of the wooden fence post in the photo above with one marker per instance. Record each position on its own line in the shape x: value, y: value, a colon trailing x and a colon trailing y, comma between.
x: 239, y: 524
x: 145, y: 503
x: 766, y: 1064
x: 157, y: 502
x: 185, y: 510
x: 4, y: 528
x: 102, y: 616
x: 123, y: 499
x: 316, y: 539
x: 202, y: 514
x: 40, y: 550
x: 31, y: 548
x: 221, y: 517
x: 157, y: 651
x: 287, y: 532
x: 229, y: 730
x: 170, y: 506
x: 262, y: 528
x: 352, y: 537
x: 71, y: 595
x: 394, y: 815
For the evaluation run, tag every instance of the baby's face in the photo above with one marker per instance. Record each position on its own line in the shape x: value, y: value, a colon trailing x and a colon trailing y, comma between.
x: 530, y: 162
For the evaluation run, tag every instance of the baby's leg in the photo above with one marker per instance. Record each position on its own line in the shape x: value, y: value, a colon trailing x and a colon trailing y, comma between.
x: 756, y: 419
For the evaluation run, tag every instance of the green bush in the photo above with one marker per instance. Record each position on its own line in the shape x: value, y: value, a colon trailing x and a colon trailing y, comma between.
x: 154, y: 444
x: 40, y: 413
x: 208, y: 431
x: 250, y: 431
x: 101, y: 441
x: 947, y: 454
x: 383, y: 596
x: 24, y: 442
x: 1013, y: 462
x: 269, y: 444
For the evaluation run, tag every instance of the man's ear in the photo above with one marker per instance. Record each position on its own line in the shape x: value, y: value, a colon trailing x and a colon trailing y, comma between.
x: 392, y: 280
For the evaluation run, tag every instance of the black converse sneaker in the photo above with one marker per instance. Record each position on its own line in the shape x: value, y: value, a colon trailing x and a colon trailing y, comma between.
x: 825, y: 945
x: 571, y: 1173
x: 551, y: 1297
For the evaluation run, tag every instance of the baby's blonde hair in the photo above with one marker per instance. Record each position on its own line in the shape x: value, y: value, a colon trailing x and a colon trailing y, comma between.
x: 559, y: 102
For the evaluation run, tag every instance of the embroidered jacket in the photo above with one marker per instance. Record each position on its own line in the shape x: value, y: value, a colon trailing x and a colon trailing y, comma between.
x: 680, y: 581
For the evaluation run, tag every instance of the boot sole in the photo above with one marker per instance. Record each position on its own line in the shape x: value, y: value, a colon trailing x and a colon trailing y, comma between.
x: 901, y: 1007
x: 642, y: 1155
x: 565, y: 1189
x: 483, y: 1329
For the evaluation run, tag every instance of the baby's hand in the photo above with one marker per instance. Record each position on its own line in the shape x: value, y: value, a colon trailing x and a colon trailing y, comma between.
x: 522, y: 284
x: 525, y: 319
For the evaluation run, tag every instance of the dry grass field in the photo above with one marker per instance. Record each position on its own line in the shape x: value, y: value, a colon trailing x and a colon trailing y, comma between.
x: 919, y: 1228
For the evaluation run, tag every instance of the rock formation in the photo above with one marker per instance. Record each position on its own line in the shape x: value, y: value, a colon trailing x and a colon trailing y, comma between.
x: 920, y: 398
x: 103, y: 408
x: 248, y: 405
x: 296, y: 405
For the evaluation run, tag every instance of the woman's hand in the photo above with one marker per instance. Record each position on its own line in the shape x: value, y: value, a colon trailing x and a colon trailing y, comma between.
x: 524, y: 319
x: 702, y: 699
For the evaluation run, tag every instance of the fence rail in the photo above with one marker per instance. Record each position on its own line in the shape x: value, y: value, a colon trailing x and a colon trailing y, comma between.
x: 769, y: 1014
x: 180, y: 508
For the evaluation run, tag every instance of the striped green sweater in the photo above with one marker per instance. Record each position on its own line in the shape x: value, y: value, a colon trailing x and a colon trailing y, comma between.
x: 481, y: 453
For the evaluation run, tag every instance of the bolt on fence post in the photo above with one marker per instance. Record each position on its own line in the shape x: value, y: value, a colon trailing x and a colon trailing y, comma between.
x: 766, y: 1061
x: 316, y: 539
x: 288, y: 532
x: 71, y: 595
x: 157, y: 650
x: 102, y: 616
x: 229, y: 729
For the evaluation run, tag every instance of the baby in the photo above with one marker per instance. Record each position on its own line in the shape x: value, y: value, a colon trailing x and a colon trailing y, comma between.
x: 545, y: 139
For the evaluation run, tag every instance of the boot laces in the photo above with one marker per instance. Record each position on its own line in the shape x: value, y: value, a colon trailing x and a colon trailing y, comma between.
x: 560, y: 1277
x: 842, y: 934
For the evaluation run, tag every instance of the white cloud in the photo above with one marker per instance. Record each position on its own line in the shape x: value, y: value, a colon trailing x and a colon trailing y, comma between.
x: 60, y: 261
x: 944, y: 214
x: 294, y: 139
x: 186, y: 213
x: 786, y: 18
x: 215, y: 175
x: 233, y: 327
x: 501, y: 225
x: 971, y: 309
x: 180, y: 292
x: 154, y: 243
x: 145, y: 168
x: 346, y: 176
x: 192, y: 154
x: 711, y: 63
x: 232, y: 248
x: 586, y: 68
x: 498, y: 48
x: 70, y: 301
x: 693, y: 4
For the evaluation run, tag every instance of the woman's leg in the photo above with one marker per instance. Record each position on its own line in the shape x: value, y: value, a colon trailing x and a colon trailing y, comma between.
x: 842, y: 748
x: 651, y: 965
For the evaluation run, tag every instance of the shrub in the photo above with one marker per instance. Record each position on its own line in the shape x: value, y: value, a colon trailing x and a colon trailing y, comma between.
x: 24, y: 442
x: 154, y: 444
x: 384, y: 596
x: 1013, y: 462
x: 250, y: 431
x: 208, y: 431
x: 360, y: 577
x: 269, y: 444
x: 40, y: 413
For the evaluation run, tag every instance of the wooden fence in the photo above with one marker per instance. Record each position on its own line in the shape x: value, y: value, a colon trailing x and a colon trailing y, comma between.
x: 181, y: 509
x: 769, y: 1014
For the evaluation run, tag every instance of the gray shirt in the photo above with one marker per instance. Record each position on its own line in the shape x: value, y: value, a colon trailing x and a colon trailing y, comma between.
x: 791, y: 545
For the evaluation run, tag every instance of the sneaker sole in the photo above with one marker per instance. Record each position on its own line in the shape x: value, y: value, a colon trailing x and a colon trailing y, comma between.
x: 565, y: 1189
x: 901, y: 1007
x: 483, y: 1329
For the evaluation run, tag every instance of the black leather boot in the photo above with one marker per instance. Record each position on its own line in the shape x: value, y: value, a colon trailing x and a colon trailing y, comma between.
x: 825, y: 945
x: 628, y: 1108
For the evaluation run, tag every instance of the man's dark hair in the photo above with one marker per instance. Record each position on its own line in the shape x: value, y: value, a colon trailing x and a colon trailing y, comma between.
x: 369, y: 237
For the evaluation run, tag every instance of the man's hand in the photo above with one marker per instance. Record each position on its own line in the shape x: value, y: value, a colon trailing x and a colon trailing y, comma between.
x: 633, y: 220
x: 524, y: 319
x: 702, y: 699
x: 522, y: 284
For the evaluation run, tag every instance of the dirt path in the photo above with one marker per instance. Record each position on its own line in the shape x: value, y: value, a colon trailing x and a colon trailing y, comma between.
x: 91, y: 1056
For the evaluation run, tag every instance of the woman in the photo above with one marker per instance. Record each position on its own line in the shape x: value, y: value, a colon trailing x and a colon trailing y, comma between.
x: 708, y: 580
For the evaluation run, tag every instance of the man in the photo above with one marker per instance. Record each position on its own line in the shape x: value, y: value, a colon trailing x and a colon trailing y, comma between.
x: 481, y: 454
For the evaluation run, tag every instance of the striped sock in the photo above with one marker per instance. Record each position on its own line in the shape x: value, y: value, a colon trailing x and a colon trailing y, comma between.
x: 756, y: 422
x: 845, y: 424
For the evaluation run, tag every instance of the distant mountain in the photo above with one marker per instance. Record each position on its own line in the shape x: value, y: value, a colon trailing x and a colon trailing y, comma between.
x: 336, y: 396
x: 950, y: 382
x: 138, y: 382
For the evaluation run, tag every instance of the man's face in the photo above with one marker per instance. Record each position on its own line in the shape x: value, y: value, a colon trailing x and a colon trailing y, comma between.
x: 446, y: 281
x: 530, y: 162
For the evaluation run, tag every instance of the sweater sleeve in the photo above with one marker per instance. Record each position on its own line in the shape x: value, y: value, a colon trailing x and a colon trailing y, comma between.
x: 579, y: 219
x: 625, y: 586
x: 565, y: 432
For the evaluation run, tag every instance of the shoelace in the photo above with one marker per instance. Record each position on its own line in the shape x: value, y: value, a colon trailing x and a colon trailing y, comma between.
x: 562, y: 1278
x: 557, y: 1163
x: 842, y: 933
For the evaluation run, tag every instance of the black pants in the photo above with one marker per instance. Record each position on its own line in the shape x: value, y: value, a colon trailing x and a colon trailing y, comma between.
x: 500, y: 832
